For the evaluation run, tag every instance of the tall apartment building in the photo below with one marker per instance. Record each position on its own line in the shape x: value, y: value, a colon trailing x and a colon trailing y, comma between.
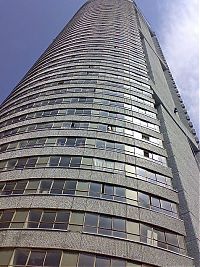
x: 98, y: 156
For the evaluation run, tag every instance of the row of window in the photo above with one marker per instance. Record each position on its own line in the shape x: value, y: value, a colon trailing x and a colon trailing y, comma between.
x: 71, y: 78
x: 89, y: 100
x: 86, y: 58
x: 80, y: 112
x: 89, y: 189
x: 93, y: 46
x: 85, y: 100
x: 83, y: 72
x: 74, y: 81
x: 83, y: 142
x: 28, y: 257
x: 88, y: 52
x: 92, y: 223
x: 82, y: 125
x: 84, y: 162
x: 86, y: 66
x: 83, y: 90
x: 76, y: 72
x: 105, y: 64
x: 72, y: 40
x: 136, y: 50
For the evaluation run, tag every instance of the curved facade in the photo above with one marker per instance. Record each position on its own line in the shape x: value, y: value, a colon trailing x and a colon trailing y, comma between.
x: 86, y: 179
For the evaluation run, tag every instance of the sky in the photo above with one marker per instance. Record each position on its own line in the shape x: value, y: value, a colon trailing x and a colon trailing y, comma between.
x: 27, y: 27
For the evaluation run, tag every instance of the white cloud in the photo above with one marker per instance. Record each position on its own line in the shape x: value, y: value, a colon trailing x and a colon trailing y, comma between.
x: 179, y: 41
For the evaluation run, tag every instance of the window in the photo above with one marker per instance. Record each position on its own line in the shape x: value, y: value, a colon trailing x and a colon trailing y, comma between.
x: 75, y: 162
x: 54, y: 160
x: 144, y: 200
x: 102, y: 262
x: 86, y: 260
x: 90, y: 224
x: 11, y: 164
x: 45, y: 186
x: 132, y: 230
x: 35, y: 257
x: 64, y: 161
x: 21, y: 256
x: 69, y: 259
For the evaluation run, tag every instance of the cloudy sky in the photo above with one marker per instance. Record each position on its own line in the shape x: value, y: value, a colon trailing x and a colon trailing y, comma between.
x: 28, y: 26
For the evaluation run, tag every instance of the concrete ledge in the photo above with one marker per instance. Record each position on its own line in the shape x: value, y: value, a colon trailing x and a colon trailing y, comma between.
x: 93, y: 244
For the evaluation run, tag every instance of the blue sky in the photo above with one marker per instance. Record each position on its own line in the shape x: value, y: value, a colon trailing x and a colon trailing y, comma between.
x: 27, y: 27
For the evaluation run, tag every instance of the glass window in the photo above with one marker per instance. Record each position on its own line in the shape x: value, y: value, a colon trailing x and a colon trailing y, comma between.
x: 82, y: 186
x: 140, y: 172
x: 87, y: 161
x: 48, y: 219
x: 8, y: 189
x: 5, y: 256
x: 131, y: 197
x: 54, y: 160
x: 129, y: 169
x: 31, y: 162
x: 91, y: 219
x: 102, y: 262
x: 57, y: 187
x: 42, y: 161
x: 75, y: 162
x: 65, y: 161
x: 172, y: 239
x: 29, y: 143
x: 21, y: 163
x: 6, y: 218
x: 45, y: 186
x: 10, y: 146
x: 86, y: 260
x: 155, y: 202
x: 95, y: 189
x: 105, y: 222
x: 146, y: 234
x: 19, y: 188
x: 71, y: 142
x: 20, y: 257
x: 80, y: 141
x: 145, y: 137
x: 11, y: 164
x: 118, y: 263
x: 62, y: 220
x: 19, y: 219
x: 70, y: 187
x: 32, y: 187
x: 77, y: 218
x: 143, y: 200
x: 110, y: 145
x: 160, y: 178
x: 119, y: 224
x: 3, y: 164
x: 132, y: 228
x: 61, y: 141
x: 100, y: 144
x: 108, y: 190
x: 34, y: 218
x: 69, y: 260
x: 36, y: 258
x: 52, y: 258
x: 166, y: 205
x: 51, y: 141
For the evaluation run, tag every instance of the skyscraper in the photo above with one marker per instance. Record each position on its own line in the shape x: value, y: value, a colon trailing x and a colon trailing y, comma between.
x: 98, y: 156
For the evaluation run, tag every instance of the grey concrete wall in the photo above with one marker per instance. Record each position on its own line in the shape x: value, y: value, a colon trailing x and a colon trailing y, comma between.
x: 178, y: 142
